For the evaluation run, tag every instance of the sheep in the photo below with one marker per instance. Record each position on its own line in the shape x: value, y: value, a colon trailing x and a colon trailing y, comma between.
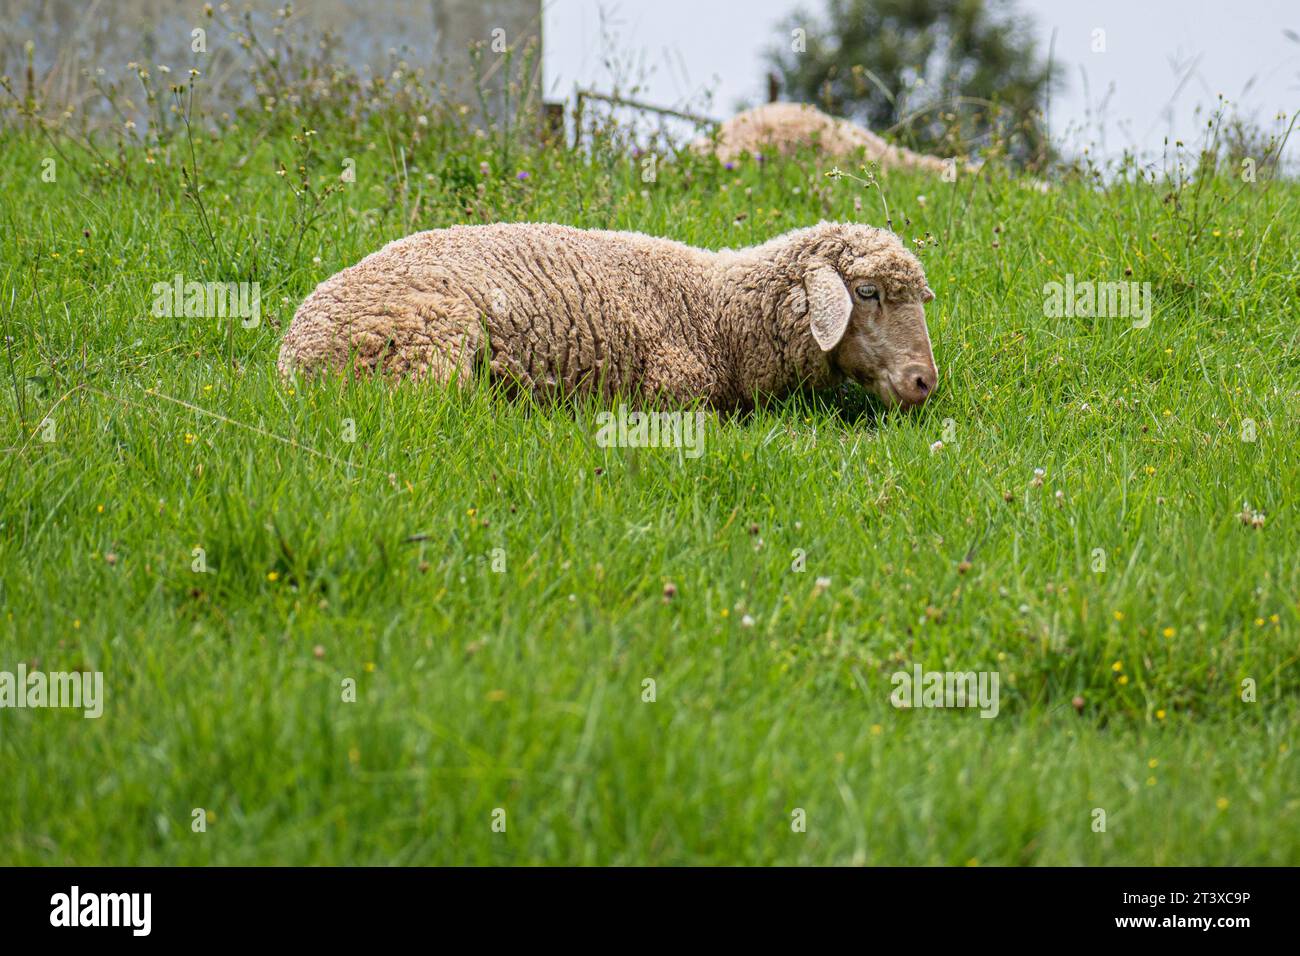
x: 788, y: 127
x: 555, y: 309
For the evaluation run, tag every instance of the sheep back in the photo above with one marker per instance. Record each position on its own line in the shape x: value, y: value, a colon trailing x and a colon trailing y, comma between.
x: 791, y: 126
x: 545, y: 307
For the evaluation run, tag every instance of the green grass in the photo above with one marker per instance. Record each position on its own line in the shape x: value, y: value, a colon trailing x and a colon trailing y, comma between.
x: 522, y: 689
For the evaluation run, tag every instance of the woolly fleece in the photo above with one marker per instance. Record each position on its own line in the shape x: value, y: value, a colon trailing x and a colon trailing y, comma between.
x: 790, y: 126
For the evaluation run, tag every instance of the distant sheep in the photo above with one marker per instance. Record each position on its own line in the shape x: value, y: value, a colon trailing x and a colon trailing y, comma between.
x: 787, y: 127
x: 551, y: 308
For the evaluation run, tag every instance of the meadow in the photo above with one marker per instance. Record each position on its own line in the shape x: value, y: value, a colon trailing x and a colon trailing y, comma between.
x: 359, y: 622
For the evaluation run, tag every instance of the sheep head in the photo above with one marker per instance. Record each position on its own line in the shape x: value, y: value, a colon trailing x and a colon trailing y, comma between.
x: 865, y: 299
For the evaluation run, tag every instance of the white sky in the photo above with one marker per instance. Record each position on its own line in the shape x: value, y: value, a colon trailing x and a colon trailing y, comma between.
x: 687, y: 47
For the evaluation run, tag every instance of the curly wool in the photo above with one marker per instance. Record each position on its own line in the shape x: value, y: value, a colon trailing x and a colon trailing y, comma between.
x: 787, y: 127
x: 552, y: 308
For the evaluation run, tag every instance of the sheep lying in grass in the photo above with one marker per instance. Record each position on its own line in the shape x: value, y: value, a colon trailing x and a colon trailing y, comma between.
x: 552, y: 308
x: 787, y: 127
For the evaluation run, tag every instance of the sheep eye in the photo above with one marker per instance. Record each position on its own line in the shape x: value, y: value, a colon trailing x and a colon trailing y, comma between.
x: 866, y: 292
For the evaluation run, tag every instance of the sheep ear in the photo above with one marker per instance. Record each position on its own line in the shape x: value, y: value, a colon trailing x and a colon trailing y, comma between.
x: 927, y: 295
x: 829, y: 306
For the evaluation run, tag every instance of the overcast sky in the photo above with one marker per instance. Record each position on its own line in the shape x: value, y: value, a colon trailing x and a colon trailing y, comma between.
x: 688, y: 47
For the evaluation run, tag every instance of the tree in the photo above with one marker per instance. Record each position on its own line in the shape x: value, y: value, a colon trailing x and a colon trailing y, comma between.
x: 945, y: 75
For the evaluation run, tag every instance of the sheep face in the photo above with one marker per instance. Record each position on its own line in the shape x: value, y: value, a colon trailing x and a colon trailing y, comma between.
x: 867, y: 313
x: 886, y: 346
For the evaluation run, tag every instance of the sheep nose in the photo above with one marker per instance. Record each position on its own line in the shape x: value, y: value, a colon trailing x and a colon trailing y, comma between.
x: 916, y: 383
